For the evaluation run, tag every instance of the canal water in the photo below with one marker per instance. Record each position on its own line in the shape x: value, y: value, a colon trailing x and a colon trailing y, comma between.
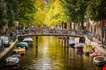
x: 50, y: 53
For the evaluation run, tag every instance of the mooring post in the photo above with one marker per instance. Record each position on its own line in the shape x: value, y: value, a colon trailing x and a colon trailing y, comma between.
x: 36, y: 41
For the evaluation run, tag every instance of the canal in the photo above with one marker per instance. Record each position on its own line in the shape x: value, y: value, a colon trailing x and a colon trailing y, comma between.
x: 50, y: 53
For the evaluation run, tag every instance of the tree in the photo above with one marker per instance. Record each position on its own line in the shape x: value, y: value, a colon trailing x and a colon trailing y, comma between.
x: 40, y: 14
x: 8, y: 14
x: 56, y: 14
x: 94, y: 9
x: 75, y: 9
x: 26, y: 10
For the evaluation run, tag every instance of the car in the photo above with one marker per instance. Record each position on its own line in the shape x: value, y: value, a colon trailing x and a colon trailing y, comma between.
x: 5, y: 40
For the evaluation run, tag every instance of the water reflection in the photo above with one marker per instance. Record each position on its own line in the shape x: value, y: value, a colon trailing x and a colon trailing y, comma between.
x: 49, y: 53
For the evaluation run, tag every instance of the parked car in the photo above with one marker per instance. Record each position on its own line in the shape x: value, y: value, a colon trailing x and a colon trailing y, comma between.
x: 1, y: 45
x: 5, y: 40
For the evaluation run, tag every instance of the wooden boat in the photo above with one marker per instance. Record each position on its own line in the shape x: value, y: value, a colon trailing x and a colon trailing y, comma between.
x: 20, y: 51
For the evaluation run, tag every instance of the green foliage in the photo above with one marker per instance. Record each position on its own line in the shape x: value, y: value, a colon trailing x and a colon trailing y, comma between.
x: 94, y: 9
x: 26, y: 10
x: 102, y: 9
x: 75, y: 9
x: 51, y: 13
x: 79, y: 10
x: 8, y: 10
x: 12, y: 10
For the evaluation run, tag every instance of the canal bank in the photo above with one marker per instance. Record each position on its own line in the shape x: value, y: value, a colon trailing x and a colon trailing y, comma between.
x: 8, y: 49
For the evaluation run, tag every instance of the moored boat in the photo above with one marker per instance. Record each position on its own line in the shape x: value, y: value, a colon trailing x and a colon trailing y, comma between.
x: 20, y: 51
x: 29, y: 40
x: 99, y: 60
x: 22, y: 45
x: 12, y: 62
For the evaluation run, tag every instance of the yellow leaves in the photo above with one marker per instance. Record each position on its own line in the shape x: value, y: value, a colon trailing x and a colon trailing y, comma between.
x: 51, y: 15
x: 39, y: 4
x: 55, y: 14
x: 40, y: 17
x: 40, y: 14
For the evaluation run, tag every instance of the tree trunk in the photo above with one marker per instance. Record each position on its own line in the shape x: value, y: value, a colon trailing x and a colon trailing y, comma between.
x: 82, y: 25
x: 70, y: 26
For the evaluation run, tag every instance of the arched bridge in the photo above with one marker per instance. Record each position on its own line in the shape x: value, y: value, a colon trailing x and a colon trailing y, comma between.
x: 53, y: 33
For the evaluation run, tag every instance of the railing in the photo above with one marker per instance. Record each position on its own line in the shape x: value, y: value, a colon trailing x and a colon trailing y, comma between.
x: 45, y: 32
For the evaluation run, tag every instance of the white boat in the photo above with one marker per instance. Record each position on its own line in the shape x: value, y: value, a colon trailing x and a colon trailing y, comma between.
x: 12, y: 60
x: 72, y: 42
x: 79, y: 45
x: 99, y: 60
x: 29, y: 40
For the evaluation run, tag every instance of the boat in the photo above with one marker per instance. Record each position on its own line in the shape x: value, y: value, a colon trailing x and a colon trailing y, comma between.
x: 99, y: 60
x: 29, y: 40
x: 72, y: 42
x: 22, y: 45
x: 20, y: 51
x: 12, y: 61
x: 94, y: 52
